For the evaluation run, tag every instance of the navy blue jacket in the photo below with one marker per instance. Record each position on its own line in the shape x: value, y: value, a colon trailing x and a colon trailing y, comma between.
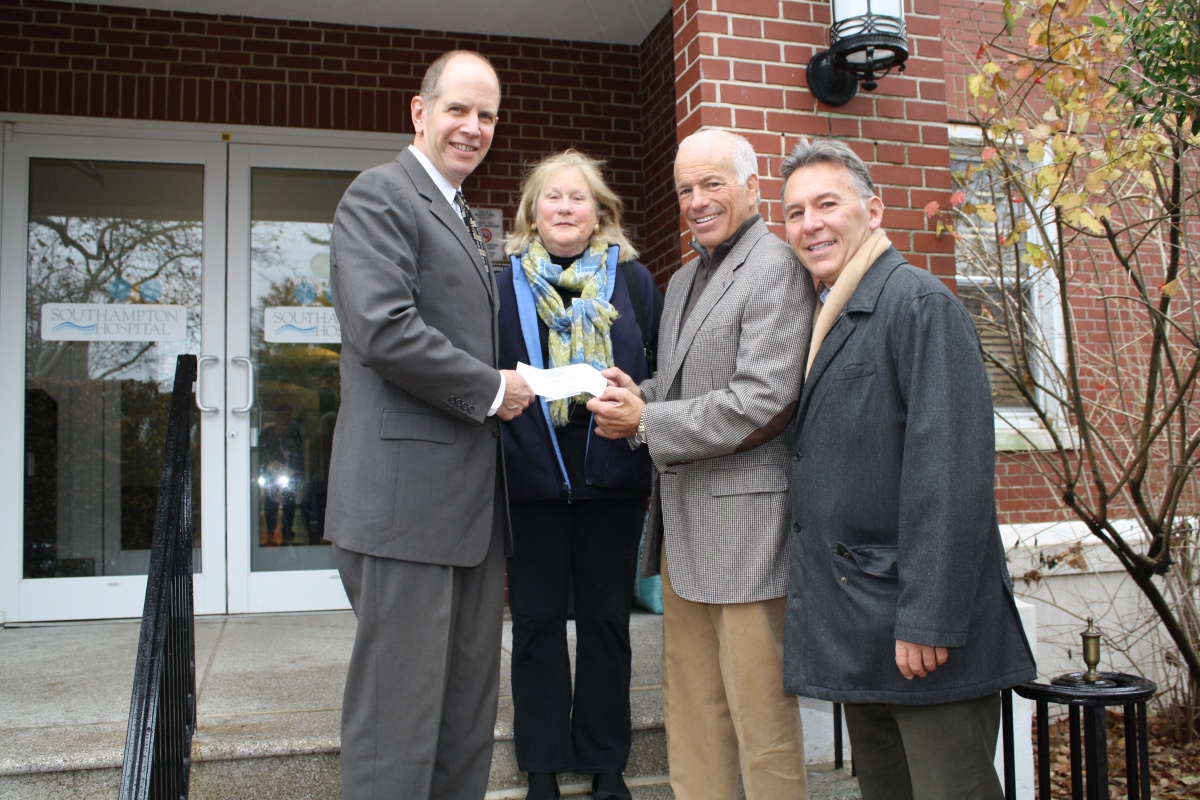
x: 531, y: 452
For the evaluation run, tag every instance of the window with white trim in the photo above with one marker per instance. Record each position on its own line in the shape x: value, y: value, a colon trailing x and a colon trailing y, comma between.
x: 996, y: 286
x: 992, y: 283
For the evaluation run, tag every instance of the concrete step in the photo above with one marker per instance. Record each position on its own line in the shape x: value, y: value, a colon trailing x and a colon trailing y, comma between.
x: 269, y: 690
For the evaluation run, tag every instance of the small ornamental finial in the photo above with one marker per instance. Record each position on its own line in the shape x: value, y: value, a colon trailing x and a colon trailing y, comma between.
x: 1091, y: 652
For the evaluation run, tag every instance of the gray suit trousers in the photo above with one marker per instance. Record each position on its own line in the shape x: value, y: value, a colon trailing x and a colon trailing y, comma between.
x: 427, y: 733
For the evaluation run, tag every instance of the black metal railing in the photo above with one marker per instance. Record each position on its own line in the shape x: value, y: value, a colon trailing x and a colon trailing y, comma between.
x: 162, y: 712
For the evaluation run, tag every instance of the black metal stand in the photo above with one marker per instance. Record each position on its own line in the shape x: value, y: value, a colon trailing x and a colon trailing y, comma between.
x: 1089, y: 747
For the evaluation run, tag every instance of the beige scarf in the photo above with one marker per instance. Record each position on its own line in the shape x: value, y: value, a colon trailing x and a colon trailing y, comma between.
x: 827, y: 313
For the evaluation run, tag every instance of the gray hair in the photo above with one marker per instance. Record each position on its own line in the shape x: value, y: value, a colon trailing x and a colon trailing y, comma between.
x: 431, y: 84
x: 745, y: 160
x: 829, y: 151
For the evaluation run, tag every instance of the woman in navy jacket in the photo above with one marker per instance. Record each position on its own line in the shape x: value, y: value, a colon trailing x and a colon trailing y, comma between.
x: 577, y: 500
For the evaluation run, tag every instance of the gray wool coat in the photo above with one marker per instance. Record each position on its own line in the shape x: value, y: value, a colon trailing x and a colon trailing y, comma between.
x: 894, y: 530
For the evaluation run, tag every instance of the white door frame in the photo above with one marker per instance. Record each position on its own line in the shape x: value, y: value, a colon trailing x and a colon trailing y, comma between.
x: 117, y: 595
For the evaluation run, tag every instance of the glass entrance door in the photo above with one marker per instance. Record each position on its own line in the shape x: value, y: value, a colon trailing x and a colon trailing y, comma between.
x: 116, y: 256
x: 111, y: 269
x: 284, y: 401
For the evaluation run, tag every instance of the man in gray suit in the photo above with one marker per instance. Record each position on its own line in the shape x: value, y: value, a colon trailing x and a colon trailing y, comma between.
x: 734, y: 329
x: 900, y: 604
x: 417, y: 507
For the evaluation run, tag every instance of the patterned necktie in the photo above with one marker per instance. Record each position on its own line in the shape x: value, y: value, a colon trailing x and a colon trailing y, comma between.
x: 469, y: 219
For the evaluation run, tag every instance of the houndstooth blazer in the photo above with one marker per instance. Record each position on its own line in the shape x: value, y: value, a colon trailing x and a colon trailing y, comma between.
x: 727, y: 381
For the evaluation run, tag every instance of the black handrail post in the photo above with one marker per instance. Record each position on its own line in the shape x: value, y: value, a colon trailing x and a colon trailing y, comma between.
x: 838, y: 761
x: 162, y: 710
x: 1010, y: 768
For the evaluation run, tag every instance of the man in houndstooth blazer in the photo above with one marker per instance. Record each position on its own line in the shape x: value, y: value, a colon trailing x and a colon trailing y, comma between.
x: 734, y: 333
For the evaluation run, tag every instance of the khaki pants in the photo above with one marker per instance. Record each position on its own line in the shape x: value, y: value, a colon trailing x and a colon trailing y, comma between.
x: 723, y: 701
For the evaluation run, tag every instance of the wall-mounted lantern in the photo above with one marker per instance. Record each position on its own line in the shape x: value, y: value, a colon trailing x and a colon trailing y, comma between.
x: 867, y: 39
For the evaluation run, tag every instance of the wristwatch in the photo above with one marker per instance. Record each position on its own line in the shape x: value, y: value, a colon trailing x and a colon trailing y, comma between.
x: 641, y: 429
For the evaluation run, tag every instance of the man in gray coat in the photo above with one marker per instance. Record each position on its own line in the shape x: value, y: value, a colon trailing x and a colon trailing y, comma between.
x: 900, y: 604
x: 734, y: 328
x: 417, y: 506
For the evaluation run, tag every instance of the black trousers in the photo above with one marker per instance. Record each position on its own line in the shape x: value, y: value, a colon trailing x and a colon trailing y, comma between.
x: 591, y: 544
x: 272, y: 499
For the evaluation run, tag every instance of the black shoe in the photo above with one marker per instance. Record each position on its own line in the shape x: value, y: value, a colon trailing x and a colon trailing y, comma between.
x: 542, y: 786
x: 610, y: 786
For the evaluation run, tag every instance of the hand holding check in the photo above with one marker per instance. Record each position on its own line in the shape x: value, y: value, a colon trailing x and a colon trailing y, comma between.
x: 619, y: 408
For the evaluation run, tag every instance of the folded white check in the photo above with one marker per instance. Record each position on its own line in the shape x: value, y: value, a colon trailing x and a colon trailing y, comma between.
x: 560, y: 382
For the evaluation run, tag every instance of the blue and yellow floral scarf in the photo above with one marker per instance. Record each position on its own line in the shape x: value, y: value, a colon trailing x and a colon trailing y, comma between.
x: 582, y: 333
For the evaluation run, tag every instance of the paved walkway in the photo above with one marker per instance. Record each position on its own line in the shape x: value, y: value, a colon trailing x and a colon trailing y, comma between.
x: 269, y: 687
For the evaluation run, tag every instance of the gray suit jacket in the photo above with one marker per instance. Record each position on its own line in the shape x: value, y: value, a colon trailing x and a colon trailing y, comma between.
x: 895, y: 533
x: 415, y: 456
x: 727, y: 381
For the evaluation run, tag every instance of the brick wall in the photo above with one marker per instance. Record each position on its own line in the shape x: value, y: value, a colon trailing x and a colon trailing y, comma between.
x: 967, y: 25
x: 101, y: 61
x: 1114, y: 335
x: 740, y: 64
x: 1022, y: 492
x: 659, y: 241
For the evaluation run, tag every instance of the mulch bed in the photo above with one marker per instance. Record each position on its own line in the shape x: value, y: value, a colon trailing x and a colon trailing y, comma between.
x: 1174, y: 764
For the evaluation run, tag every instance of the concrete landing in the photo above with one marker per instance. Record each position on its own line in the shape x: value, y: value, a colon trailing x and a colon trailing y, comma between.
x: 269, y: 693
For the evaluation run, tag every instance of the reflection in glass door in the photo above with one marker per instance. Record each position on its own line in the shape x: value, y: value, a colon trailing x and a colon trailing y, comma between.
x: 294, y: 344
x: 282, y: 327
x: 114, y: 268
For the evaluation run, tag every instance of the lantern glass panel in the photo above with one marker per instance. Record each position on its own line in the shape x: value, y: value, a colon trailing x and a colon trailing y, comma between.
x: 846, y: 9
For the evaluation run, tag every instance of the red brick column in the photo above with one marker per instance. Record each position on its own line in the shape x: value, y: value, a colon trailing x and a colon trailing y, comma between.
x: 739, y: 64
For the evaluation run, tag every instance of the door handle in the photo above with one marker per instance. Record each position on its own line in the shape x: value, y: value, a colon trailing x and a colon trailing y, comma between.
x: 249, y: 384
x: 199, y: 372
